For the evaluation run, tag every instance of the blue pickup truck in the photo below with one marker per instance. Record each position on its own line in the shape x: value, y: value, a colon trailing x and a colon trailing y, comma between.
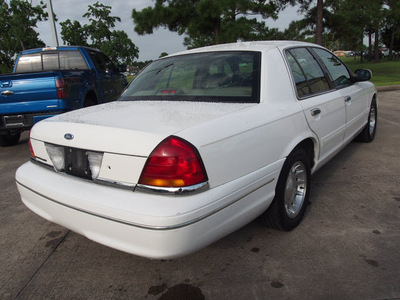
x: 50, y: 81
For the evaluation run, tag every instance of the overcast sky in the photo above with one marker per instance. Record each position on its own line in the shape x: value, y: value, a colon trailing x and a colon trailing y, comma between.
x: 150, y: 46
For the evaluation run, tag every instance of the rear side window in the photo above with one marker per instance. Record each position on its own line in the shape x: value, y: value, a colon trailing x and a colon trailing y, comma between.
x: 102, y: 62
x: 72, y: 60
x: 339, y: 74
x: 54, y: 60
x: 306, y: 72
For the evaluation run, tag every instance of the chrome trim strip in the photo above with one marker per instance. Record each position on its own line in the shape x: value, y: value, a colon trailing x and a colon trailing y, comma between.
x: 142, y: 226
x: 193, y: 189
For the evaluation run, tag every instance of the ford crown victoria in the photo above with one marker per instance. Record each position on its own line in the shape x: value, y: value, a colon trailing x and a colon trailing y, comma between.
x: 198, y: 145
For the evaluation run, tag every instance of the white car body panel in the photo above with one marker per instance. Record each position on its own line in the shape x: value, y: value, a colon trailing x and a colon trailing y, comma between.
x: 243, y: 147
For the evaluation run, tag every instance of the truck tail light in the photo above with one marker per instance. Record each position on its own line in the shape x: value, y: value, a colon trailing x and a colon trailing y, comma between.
x: 62, y: 88
x: 174, y: 163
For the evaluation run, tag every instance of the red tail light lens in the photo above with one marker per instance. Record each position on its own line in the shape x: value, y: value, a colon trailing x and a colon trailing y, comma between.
x: 61, y: 87
x: 173, y: 163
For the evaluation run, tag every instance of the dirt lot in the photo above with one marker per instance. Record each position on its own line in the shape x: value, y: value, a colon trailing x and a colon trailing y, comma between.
x: 346, y: 248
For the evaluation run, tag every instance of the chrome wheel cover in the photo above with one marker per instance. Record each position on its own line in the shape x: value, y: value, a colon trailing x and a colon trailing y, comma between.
x: 372, y: 120
x: 296, y: 189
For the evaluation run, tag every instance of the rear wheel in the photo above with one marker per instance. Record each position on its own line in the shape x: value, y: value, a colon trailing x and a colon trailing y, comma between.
x: 292, y: 192
x: 89, y: 101
x: 9, y: 139
x: 368, y: 133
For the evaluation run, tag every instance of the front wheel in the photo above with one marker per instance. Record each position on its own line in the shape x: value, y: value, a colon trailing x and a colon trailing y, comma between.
x: 292, y: 192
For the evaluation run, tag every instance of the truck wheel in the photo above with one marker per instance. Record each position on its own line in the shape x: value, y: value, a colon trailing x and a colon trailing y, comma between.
x: 89, y: 101
x: 292, y: 192
x: 9, y: 140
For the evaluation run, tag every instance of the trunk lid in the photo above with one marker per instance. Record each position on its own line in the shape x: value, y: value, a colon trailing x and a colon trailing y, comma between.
x: 132, y: 128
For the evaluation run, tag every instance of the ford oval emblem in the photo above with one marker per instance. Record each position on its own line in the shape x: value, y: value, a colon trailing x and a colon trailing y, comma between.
x: 68, y: 136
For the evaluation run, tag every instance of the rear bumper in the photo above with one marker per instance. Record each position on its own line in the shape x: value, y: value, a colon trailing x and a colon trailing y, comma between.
x: 20, y: 122
x: 153, y: 226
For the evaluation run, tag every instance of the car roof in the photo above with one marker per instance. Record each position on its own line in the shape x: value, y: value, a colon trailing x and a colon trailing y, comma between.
x: 247, y: 46
x: 59, y: 48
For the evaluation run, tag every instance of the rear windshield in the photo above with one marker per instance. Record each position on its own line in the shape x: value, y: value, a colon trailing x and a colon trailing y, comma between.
x: 52, y: 60
x: 210, y: 77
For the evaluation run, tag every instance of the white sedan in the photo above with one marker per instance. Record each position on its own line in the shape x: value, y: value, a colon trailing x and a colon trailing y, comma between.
x: 199, y: 144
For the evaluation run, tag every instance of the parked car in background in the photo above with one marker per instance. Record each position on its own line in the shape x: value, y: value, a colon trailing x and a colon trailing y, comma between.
x: 198, y: 145
x: 367, y: 54
x: 50, y: 81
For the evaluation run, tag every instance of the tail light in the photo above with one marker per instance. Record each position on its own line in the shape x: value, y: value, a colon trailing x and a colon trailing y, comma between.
x: 174, y: 163
x: 32, y: 153
x: 62, y: 88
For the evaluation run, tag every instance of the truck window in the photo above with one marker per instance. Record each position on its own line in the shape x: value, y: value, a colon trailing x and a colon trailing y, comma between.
x: 50, y: 61
x: 54, y: 60
x: 72, y: 60
x: 29, y: 63
x: 100, y: 65
x: 102, y: 62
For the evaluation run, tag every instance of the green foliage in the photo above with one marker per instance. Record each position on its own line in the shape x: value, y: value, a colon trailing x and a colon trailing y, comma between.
x: 99, y: 34
x: 18, y: 20
x: 384, y: 73
x: 206, y: 22
x: 73, y: 33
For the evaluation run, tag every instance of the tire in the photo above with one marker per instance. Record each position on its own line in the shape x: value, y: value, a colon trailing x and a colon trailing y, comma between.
x: 367, y: 135
x: 9, y: 139
x: 89, y: 101
x: 292, y: 192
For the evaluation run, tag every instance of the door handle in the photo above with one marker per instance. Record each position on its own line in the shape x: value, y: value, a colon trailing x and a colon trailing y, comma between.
x: 315, y: 111
x: 347, y: 98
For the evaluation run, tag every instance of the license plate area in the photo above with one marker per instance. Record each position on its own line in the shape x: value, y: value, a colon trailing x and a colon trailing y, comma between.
x: 16, y: 120
x: 77, y: 162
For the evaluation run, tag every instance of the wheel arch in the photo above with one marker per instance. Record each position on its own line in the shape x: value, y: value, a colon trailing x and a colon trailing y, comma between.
x: 309, y: 145
x: 90, y: 96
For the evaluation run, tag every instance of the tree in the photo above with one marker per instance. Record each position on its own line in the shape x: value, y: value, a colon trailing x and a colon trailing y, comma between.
x: 391, y: 32
x: 206, y: 22
x: 73, y: 33
x: 314, y: 14
x: 18, y: 21
x: 353, y: 19
x: 99, y: 34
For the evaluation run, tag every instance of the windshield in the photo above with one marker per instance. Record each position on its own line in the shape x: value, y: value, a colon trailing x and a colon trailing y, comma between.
x: 212, y: 77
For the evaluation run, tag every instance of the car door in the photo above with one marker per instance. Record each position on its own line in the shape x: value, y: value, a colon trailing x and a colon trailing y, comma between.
x: 105, y: 77
x: 115, y: 79
x: 356, y: 101
x: 324, y: 107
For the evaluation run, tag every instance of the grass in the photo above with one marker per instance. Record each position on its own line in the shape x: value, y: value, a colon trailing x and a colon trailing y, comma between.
x: 384, y: 73
x: 130, y: 77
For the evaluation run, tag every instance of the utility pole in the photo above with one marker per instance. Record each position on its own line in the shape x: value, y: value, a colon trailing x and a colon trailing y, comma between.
x: 52, y: 22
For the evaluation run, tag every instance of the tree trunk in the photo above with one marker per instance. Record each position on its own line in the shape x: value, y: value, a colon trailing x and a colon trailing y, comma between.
x: 376, y: 48
x: 369, y: 44
x: 217, y: 29
x: 392, y: 42
x: 319, y: 23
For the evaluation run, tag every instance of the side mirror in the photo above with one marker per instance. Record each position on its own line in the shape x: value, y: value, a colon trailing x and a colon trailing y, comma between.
x: 363, y: 75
